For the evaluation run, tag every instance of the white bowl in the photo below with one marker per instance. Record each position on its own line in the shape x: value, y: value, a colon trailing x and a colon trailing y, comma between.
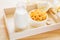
x: 37, y: 23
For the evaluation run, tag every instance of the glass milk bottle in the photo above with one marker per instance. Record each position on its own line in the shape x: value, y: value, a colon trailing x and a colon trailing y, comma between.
x: 21, y: 16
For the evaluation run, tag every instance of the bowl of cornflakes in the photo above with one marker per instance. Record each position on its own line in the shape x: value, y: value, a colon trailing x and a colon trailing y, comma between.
x: 38, y: 17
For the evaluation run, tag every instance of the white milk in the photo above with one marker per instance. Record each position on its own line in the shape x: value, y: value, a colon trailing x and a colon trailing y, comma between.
x: 21, y: 18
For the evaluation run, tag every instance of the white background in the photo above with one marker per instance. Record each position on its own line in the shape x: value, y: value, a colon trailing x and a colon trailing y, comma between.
x: 9, y: 3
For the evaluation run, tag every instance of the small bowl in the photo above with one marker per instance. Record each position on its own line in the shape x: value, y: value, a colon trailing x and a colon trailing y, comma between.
x: 37, y: 23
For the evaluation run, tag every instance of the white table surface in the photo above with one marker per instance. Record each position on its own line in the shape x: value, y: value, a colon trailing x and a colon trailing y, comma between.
x: 8, y: 3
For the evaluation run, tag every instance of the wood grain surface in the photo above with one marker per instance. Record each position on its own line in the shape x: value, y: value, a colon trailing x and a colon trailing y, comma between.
x: 53, y: 35
x: 3, y: 30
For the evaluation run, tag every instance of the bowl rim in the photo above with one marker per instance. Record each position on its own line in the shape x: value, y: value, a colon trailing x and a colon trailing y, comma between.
x: 37, y: 21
